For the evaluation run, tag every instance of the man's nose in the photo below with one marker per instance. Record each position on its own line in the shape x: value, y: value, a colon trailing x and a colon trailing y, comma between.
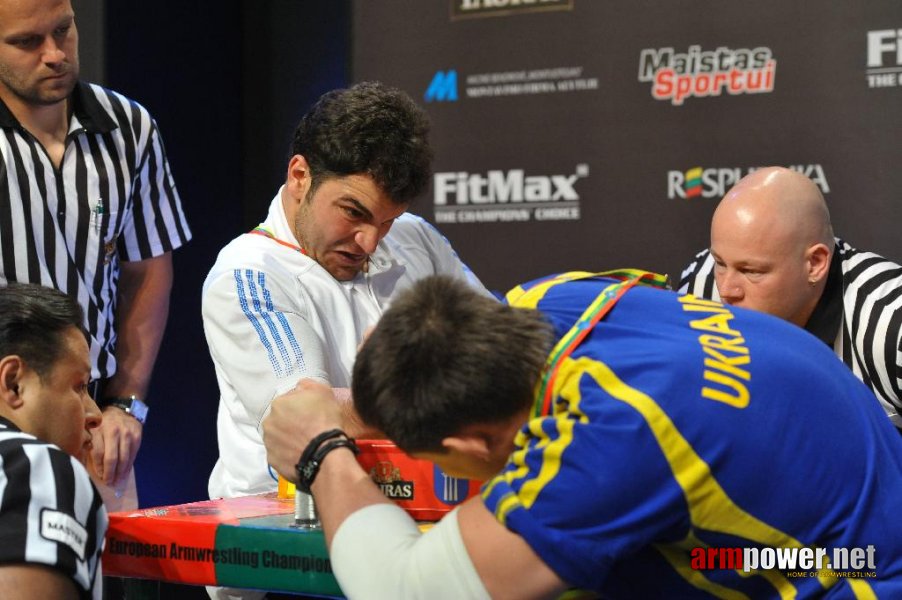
x: 368, y: 238
x: 93, y: 414
x: 51, y: 53
x: 730, y: 287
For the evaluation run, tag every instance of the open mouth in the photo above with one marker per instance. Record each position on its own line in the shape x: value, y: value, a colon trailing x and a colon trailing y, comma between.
x: 351, y: 258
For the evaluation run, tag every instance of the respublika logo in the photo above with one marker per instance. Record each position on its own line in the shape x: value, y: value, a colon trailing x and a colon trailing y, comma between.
x: 699, y: 182
x: 512, y: 195
x: 884, y: 58
x: 850, y: 563
x: 443, y: 87
x: 461, y: 9
x: 700, y: 74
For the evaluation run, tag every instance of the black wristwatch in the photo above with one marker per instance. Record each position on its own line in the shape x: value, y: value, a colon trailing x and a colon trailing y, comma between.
x: 132, y: 405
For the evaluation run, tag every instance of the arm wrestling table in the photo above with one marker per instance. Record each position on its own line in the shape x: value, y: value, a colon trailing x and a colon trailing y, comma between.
x: 251, y: 541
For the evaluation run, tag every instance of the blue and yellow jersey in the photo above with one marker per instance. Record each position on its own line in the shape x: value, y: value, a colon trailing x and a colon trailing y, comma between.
x: 678, y: 423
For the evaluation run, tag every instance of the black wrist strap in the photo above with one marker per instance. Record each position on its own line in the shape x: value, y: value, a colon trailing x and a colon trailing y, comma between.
x: 307, y: 471
x: 316, y: 450
x: 315, y: 443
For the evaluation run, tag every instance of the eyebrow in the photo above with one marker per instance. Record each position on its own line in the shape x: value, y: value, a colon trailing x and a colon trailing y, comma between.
x: 357, y: 205
x: 67, y: 19
x: 744, y: 262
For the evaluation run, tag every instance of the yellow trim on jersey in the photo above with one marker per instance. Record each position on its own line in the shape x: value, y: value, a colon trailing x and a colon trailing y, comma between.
x: 523, y: 298
x: 530, y: 298
x: 861, y: 589
x: 676, y: 555
x: 710, y: 507
x: 551, y: 453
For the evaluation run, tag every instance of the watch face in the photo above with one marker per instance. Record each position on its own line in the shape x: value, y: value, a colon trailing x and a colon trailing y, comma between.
x: 139, y: 410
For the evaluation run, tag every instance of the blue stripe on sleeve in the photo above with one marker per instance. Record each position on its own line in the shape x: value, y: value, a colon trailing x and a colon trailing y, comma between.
x: 251, y: 315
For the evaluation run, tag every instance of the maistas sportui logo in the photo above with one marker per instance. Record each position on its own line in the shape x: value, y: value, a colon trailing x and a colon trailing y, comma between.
x: 698, y: 73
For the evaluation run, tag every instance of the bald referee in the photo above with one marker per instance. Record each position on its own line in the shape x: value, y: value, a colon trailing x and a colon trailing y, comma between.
x: 773, y: 249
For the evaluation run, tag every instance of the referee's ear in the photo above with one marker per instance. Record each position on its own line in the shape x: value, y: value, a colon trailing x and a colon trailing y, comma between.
x: 12, y: 368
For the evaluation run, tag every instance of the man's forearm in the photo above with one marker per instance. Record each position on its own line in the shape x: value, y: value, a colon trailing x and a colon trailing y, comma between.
x: 342, y: 487
x: 144, y: 288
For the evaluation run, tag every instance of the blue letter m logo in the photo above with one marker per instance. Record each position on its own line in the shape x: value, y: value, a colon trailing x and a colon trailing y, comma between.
x: 443, y: 87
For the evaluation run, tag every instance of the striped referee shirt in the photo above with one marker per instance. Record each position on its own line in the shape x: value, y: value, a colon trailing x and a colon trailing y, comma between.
x: 112, y: 199
x: 859, y: 315
x: 50, y: 512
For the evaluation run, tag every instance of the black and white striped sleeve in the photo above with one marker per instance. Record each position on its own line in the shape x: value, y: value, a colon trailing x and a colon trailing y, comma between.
x: 155, y: 222
x: 698, y: 277
x: 50, y: 512
x: 873, y: 306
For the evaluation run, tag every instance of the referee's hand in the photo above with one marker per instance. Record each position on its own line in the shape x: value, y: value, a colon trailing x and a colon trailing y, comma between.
x: 115, y: 445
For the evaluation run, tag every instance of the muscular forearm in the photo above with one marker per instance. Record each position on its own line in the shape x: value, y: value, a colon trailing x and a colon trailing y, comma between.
x: 341, y: 488
x: 144, y: 289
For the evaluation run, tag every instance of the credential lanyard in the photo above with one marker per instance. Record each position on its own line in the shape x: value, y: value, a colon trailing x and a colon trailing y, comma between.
x: 260, y: 230
x: 596, y: 311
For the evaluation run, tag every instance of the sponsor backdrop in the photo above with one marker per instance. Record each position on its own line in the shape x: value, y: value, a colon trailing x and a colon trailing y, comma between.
x: 577, y: 134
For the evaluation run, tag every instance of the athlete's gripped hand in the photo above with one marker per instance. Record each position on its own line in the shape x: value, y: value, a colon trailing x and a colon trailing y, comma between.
x: 353, y: 425
x: 295, y: 418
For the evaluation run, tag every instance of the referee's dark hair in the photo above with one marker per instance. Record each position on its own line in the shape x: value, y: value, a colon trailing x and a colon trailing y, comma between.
x: 368, y: 129
x: 33, y: 319
x: 443, y: 357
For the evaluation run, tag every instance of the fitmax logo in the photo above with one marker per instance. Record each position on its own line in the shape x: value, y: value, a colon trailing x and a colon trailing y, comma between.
x: 503, y: 187
x: 443, y: 87
x: 698, y: 182
x: 884, y: 58
x: 882, y: 42
x: 486, y: 8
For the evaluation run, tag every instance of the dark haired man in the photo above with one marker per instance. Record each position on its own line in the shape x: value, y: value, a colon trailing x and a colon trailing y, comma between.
x: 52, y: 519
x: 627, y: 435
x: 293, y: 298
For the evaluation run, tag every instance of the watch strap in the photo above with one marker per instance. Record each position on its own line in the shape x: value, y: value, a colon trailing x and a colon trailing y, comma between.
x: 132, y: 405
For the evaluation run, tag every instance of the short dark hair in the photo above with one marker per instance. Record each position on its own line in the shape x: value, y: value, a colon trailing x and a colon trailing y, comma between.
x: 367, y: 129
x: 33, y: 319
x: 444, y: 356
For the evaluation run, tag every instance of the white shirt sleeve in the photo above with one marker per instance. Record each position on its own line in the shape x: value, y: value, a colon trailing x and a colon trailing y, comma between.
x: 378, y: 553
x: 259, y: 339
x: 443, y: 256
